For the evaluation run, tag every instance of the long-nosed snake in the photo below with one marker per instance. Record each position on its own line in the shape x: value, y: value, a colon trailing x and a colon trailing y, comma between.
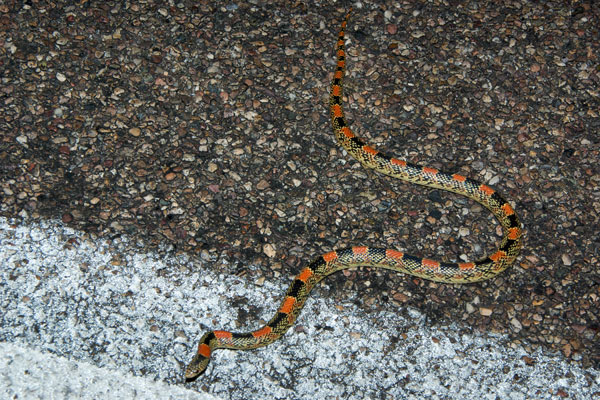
x: 375, y: 257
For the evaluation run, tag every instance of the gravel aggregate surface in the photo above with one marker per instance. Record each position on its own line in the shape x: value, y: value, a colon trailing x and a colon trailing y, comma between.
x: 82, y: 315
x: 204, y: 126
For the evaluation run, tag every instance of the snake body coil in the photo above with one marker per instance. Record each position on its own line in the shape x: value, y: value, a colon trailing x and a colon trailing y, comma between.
x: 376, y: 257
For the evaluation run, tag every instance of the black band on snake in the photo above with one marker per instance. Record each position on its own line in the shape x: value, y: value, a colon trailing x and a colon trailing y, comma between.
x: 396, y: 260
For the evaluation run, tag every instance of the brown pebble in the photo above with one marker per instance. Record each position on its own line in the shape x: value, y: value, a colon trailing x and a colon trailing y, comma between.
x: 263, y: 184
x: 67, y: 217
x: 561, y: 393
x: 156, y: 57
x: 269, y: 250
x: 400, y: 297
x: 528, y: 360
x: 135, y: 132
x: 486, y: 312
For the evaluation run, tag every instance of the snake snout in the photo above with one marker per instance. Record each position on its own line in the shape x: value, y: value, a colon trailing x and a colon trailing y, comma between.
x: 196, y: 367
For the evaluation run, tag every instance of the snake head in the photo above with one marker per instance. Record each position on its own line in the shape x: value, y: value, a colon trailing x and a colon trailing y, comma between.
x: 200, y: 361
x: 196, y: 367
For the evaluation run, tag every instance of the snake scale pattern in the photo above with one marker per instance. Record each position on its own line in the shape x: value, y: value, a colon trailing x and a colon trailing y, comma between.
x: 329, y: 263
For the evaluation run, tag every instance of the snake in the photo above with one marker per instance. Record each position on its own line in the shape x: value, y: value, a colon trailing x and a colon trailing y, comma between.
x: 326, y: 264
